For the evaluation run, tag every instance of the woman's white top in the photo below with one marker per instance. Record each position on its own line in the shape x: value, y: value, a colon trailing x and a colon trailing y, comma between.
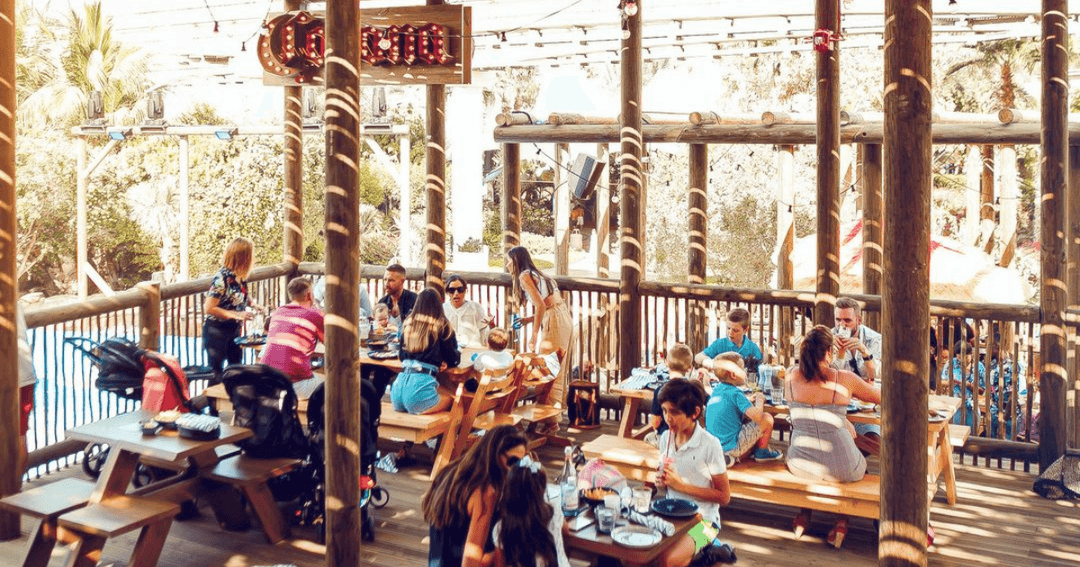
x: 468, y: 323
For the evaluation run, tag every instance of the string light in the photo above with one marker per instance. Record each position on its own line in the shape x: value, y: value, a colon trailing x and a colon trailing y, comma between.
x: 630, y: 8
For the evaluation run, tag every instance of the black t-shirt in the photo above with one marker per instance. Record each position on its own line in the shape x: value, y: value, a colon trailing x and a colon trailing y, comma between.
x: 657, y: 410
x: 406, y: 303
x: 437, y: 352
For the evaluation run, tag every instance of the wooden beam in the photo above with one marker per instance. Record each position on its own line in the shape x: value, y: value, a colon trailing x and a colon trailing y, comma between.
x: 631, y: 175
x: 1072, y: 284
x: 185, y: 211
x: 827, y: 17
x: 150, y: 315
x: 785, y: 243
x: 782, y: 134
x: 435, y: 184
x: 870, y: 178
x: 603, y: 213
x: 511, y: 201
x: 10, y: 476
x: 342, y: 284
x: 697, y: 259
x: 405, y: 206
x: 1053, y: 378
x: 906, y: 299
x: 293, y: 241
x: 561, y: 208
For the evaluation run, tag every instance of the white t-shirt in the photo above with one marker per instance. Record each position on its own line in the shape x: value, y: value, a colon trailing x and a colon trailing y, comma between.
x: 27, y: 377
x: 697, y: 461
x: 490, y: 359
x: 468, y: 323
x: 555, y: 527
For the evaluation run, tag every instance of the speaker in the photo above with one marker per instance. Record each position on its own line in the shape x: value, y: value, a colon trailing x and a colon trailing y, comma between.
x: 583, y: 176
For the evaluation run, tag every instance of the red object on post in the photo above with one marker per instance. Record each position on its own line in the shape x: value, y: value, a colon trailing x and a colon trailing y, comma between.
x: 160, y: 391
x: 823, y: 40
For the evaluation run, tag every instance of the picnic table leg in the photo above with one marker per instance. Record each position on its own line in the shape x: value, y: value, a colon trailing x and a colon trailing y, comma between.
x: 629, y: 416
x: 946, y: 453
x: 273, y: 524
x: 148, y: 547
x: 42, y: 542
x: 85, y: 549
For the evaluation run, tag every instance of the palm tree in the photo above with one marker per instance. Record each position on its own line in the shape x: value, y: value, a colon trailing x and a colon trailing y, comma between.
x: 91, y: 61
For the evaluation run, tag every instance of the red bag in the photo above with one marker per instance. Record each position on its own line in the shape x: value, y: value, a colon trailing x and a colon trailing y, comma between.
x: 162, y: 392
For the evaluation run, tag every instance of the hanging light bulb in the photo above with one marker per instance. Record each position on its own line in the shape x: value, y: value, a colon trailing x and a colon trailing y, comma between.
x: 385, y: 43
x: 630, y: 8
x: 626, y: 34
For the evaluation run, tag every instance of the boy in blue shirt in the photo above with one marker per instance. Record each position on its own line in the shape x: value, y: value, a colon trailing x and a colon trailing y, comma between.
x: 741, y: 425
x: 738, y: 326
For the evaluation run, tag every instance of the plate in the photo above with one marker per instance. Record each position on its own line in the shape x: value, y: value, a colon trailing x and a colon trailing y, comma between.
x: 674, y: 507
x: 250, y: 340
x: 938, y: 417
x: 637, y: 537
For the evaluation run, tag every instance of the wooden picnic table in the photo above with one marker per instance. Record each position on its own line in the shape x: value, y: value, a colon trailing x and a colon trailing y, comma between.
x: 590, y: 542
x: 127, y: 444
x: 632, y: 398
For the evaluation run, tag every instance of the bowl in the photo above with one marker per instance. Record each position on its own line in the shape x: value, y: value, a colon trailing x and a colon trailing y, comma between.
x: 595, y: 496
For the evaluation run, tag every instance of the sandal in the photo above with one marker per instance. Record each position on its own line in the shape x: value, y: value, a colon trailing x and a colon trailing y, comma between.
x: 801, y: 522
x: 836, y: 535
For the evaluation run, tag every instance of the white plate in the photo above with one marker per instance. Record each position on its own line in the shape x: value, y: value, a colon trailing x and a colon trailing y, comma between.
x: 637, y: 537
x: 938, y: 416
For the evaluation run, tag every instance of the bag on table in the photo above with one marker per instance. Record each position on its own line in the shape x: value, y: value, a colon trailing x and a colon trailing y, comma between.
x: 597, y: 473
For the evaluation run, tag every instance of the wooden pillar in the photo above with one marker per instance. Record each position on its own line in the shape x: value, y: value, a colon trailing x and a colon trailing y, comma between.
x: 973, y: 195
x: 785, y: 243
x: 1052, y: 178
x: 870, y: 176
x: 1073, y: 288
x: 511, y: 201
x: 342, y: 284
x: 827, y: 17
x: 603, y: 214
x: 150, y: 316
x: 1007, y: 203
x: 986, y: 198
x: 631, y: 174
x: 80, y: 217
x: 10, y: 476
x: 697, y: 259
x: 293, y: 241
x: 435, y: 183
x: 906, y: 293
x: 185, y: 210
x: 561, y: 208
x: 405, y: 206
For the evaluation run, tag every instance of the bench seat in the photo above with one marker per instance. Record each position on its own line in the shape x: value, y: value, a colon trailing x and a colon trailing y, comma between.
x: 118, y: 515
x: 47, y: 503
x: 958, y: 435
x: 408, y: 427
x: 250, y: 475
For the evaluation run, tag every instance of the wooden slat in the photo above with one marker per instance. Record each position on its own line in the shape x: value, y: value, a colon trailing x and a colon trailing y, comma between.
x: 117, y: 515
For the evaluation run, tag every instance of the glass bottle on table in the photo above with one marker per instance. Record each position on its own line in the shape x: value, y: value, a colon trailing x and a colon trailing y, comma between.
x: 568, y: 486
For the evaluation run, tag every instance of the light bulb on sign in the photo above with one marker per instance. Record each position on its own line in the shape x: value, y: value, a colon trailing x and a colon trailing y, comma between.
x: 626, y: 34
x: 630, y: 9
x: 385, y: 44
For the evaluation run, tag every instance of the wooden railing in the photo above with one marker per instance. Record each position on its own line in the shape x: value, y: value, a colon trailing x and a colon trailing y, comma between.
x: 692, y: 314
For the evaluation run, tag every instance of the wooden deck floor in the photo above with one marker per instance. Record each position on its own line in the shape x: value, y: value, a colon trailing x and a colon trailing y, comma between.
x: 997, y: 521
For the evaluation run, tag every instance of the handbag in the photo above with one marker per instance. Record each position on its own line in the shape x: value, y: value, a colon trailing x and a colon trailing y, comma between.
x: 1061, y: 480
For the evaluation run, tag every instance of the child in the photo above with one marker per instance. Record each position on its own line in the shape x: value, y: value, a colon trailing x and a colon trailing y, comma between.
x: 680, y: 361
x: 383, y: 324
x: 961, y: 371
x: 738, y: 326
x: 530, y: 530
x: 497, y: 358
x: 693, y: 468
x: 741, y: 425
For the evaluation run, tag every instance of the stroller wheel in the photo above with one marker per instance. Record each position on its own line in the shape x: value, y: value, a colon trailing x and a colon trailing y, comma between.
x: 94, y: 457
x: 379, y: 497
x: 144, y: 475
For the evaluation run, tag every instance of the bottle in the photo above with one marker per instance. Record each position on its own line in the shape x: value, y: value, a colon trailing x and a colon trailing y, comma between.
x: 568, y: 486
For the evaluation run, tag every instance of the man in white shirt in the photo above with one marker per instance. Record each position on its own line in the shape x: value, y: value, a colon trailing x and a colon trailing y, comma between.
x: 468, y: 318
x: 860, y: 352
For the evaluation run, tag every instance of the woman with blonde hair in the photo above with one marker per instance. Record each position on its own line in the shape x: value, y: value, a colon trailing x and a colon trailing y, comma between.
x: 428, y: 344
x: 552, y: 314
x: 226, y: 306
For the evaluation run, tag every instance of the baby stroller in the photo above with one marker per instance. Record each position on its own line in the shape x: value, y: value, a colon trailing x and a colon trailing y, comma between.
x: 312, y: 510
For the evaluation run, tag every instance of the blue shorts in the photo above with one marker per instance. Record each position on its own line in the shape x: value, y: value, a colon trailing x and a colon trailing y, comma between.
x: 867, y: 428
x: 414, y: 392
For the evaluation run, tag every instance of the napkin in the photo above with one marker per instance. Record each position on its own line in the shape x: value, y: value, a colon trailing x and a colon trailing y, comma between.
x: 659, y: 524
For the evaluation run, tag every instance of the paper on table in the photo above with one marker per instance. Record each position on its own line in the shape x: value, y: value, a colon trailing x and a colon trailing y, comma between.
x: 659, y: 524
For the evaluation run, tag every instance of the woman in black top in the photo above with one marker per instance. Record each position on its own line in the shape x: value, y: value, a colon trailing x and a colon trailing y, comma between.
x: 226, y: 306
x: 428, y: 344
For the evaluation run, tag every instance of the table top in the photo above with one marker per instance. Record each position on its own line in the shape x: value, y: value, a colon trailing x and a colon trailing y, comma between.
x: 944, y: 405
x: 643, y: 393
x: 124, y: 431
x: 590, y: 540
x: 460, y: 373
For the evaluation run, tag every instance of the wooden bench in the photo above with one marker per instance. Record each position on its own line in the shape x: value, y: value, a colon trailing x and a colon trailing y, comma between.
x: 47, y: 503
x: 419, y: 428
x: 250, y: 475
x: 958, y: 435
x: 90, y: 526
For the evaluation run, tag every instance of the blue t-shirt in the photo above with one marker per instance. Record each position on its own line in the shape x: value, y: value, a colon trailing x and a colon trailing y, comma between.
x: 724, y: 344
x: 724, y: 414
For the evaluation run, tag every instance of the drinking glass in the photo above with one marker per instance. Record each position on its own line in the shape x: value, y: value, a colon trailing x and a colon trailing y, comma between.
x: 642, y: 499
x: 776, y: 390
x: 605, y: 519
x: 614, y: 502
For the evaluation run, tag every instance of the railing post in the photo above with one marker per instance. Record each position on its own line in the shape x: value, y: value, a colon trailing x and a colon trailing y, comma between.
x: 150, y: 316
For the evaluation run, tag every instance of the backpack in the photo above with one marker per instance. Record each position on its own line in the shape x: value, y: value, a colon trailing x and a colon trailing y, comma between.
x: 263, y: 400
x: 165, y: 384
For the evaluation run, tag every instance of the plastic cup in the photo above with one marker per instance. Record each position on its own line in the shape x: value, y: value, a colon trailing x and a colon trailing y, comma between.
x: 605, y: 519
x: 642, y: 500
x: 614, y: 502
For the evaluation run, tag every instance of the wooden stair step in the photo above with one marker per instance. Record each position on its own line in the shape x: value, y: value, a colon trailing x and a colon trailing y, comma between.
x: 118, y: 515
x: 50, y: 500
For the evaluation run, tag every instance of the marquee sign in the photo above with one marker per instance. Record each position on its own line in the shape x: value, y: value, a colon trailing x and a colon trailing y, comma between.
x: 421, y: 45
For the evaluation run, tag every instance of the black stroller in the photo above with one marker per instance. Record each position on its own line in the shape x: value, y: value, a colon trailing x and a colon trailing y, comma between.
x: 312, y: 510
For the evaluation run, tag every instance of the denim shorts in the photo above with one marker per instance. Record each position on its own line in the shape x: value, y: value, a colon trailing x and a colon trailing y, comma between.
x: 414, y: 392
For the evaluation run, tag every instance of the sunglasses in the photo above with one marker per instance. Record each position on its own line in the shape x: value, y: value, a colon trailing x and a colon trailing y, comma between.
x: 455, y: 289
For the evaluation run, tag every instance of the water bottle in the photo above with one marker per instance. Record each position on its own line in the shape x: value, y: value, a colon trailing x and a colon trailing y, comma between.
x: 568, y: 487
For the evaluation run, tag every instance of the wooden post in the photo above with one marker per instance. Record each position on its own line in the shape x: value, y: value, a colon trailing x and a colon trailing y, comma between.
x: 435, y: 184
x: 561, y: 208
x: 785, y: 243
x: 827, y: 17
x: 972, y: 177
x: 185, y: 210
x: 405, y: 207
x: 697, y: 260
x: 1073, y: 287
x: 1007, y: 203
x: 1053, y: 378
x: 80, y: 217
x: 293, y: 241
x: 631, y: 174
x: 342, y: 284
x: 603, y: 214
x: 10, y: 476
x: 870, y: 175
x: 906, y: 294
x: 150, y: 316
x: 986, y: 197
x: 511, y: 202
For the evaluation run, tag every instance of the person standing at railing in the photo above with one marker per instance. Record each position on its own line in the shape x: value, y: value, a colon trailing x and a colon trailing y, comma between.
x: 468, y: 318
x: 226, y: 306
x: 552, y: 315
x: 27, y: 380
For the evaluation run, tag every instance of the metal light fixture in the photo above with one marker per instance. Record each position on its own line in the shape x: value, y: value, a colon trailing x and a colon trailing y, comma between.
x: 225, y: 133
x: 95, y: 106
x: 119, y: 133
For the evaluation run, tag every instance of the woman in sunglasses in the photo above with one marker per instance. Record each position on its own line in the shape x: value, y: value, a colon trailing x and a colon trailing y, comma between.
x: 469, y: 320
